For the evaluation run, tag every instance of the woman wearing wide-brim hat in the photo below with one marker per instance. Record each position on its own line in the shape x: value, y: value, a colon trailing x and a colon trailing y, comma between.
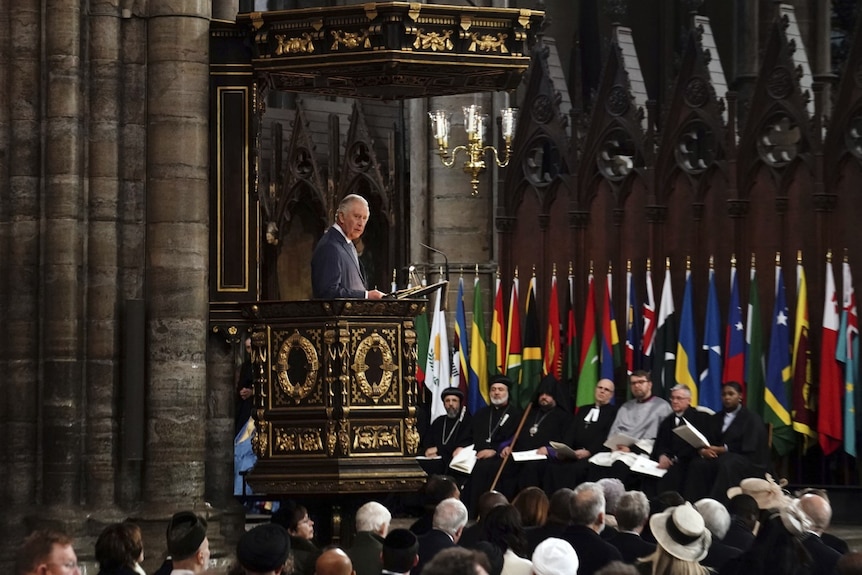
x: 683, y: 541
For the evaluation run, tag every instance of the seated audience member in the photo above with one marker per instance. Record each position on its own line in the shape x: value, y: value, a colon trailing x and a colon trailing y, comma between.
x: 618, y: 568
x: 737, y: 450
x: 450, y: 517
x: 372, y: 524
x: 632, y: 514
x: 671, y: 451
x: 613, y: 489
x: 829, y: 539
x: 188, y: 545
x: 448, y: 432
x: 493, y: 426
x: 494, y: 556
x: 819, y: 512
x: 638, y: 418
x: 294, y: 518
x: 849, y: 564
x: 43, y: 549
x: 716, y: 517
x: 119, y: 549
x: 457, y: 561
x: 333, y: 561
x: 586, y: 436
x: 263, y: 550
x: 588, y: 520
x: 400, y: 552
x: 777, y: 547
x: 504, y: 530
x: 532, y: 504
x: 659, y: 503
x: 555, y: 557
x: 682, y: 541
x: 546, y: 422
x: 475, y: 533
x: 743, y: 519
x: 436, y: 489
x: 559, y: 518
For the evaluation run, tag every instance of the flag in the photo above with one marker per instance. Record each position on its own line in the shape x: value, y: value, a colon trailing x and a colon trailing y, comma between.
x: 632, y: 351
x: 497, y: 347
x: 460, y: 344
x: 803, y: 406
x: 571, y: 344
x: 553, y: 351
x: 829, y: 415
x: 531, y: 360
x: 589, y: 375
x: 648, y: 342
x: 513, y: 343
x: 848, y: 354
x: 734, y: 340
x: 610, y: 350
x: 685, y: 371
x: 710, y: 378
x: 423, y: 334
x: 754, y: 368
x: 437, y: 370
x: 778, y: 375
x: 477, y: 388
x: 664, y: 348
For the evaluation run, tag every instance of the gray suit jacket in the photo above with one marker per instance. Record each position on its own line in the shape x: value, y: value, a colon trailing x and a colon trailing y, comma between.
x: 335, y: 273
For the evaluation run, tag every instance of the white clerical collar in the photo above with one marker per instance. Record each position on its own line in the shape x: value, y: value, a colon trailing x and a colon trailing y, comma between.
x: 593, y: 414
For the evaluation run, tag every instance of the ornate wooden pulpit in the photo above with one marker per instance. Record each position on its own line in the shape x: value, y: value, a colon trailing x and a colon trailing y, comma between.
x: 335, y: 397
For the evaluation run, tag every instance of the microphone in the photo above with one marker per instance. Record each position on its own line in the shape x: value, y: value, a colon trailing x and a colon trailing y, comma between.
x: 445, y: 258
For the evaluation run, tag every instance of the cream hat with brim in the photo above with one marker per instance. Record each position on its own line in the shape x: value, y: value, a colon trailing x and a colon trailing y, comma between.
x: 681, y: 532
x: 767, y: 493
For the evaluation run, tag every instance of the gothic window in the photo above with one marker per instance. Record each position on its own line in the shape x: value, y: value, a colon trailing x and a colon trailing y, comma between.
x: 695, y: 148
x: 780, y: 140
x: 617, y: 154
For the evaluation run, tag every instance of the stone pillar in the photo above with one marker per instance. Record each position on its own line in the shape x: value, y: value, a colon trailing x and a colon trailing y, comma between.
x: 420, y: 156
x: 225, y: 10
x: 177, y: 255
x: 62, y: 294
x: 746, y: 53
x: 103, y: 306
x: 821, y: 54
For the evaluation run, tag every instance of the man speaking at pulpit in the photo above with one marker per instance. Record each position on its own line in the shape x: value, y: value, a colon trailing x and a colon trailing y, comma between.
x: 335, y: 269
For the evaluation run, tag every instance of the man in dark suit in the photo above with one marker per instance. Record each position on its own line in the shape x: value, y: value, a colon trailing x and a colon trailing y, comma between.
x: 672, y: 451
x: 335, y: 270
x: 588, y: 519
x: 819, y: 511
x: 716, y: 517
x: 450, y: 517
x: 632, y: 514
x: 737, y: 449
x: 372, y: 525
x: 586, y: 436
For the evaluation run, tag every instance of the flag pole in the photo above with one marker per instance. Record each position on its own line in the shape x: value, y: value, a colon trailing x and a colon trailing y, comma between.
x: 512, y: 445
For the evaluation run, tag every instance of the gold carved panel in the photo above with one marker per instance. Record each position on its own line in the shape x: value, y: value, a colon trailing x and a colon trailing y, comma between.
x: 376, y: 439
x: 297, y: 441
x: 376, y: 366
x: 295, y: 368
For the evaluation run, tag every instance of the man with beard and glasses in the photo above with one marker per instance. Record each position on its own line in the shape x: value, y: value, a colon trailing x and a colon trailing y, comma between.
x: 446, y: 434
x: 492, y: 426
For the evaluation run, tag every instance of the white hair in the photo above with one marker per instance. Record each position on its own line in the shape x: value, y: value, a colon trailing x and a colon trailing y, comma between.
x: 715, y: 515
x: 372, y: 517
x: 450, y: 515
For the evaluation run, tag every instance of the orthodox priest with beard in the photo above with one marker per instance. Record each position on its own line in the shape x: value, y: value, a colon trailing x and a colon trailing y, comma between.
x: 492, y: 427
x: 447, y: 433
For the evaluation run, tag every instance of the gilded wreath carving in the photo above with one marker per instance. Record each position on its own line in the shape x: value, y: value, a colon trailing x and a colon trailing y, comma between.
x: 370, y: 437
x: 488, y: 43
x: 434, y: 41
x: 350, y: 40
x: 296, y: 390
x: 288, y: 45
x: 374, y: 390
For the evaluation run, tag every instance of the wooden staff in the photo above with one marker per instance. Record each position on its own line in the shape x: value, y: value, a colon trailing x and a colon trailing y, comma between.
x: 514, y: 439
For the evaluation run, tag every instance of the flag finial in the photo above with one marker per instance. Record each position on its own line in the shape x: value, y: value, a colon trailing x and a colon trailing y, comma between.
x: 534, y: 270
x: 461, y: 271
x: 628, y: 266
x: 829, y: 256
x: 554, y: 269
x: 778, y: 258
x: 516, y: 272
x: 799, y: 257
x: 711, y: 262
x: 591, y: 266
x: 648, y: 265
x: 733, y: 260
x: 688, y: 263
x: 846, y: 257
x: 477, y: 270
x: 610, y: 267
x: 571, y: 268
x: 753, y: 264
x: 667, y: 263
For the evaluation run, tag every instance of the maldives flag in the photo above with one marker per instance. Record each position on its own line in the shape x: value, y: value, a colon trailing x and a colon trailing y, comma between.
x: 589, y: 375
x: 829, y: 416
x: 734, y: 340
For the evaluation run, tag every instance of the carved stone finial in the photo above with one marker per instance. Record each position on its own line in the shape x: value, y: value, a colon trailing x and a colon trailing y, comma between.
x: 616, y: 9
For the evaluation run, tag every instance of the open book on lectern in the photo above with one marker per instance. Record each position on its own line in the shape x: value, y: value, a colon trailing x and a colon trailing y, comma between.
x: 418, y: 291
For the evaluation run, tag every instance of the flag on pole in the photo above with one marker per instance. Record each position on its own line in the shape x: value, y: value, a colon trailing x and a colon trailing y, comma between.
x: 531, y: 360
x: 734, y: 340
x: 754, y: 365
x: 778, y: 374
x: 686, y: 348
x: 802, y: 396
x: 648, y: 343
x: 423, y: 334
x: 710, y: 378
x: 829, y: 415
x: 477, y: 390
x: 437, y: 370
x: 848, y: 354
x: 610, y: 350
x: 497, y: 348
x: 460, y: 344
x: 513, y: 343
x: 632, y: 351
x: 664, y: 352
x: 553, y: 351
x: 571, y: 343
x: 589, y: 375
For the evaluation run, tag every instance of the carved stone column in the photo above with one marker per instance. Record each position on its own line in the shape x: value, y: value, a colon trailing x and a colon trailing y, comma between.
x: 177, y: 251
x: 746, y: 52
